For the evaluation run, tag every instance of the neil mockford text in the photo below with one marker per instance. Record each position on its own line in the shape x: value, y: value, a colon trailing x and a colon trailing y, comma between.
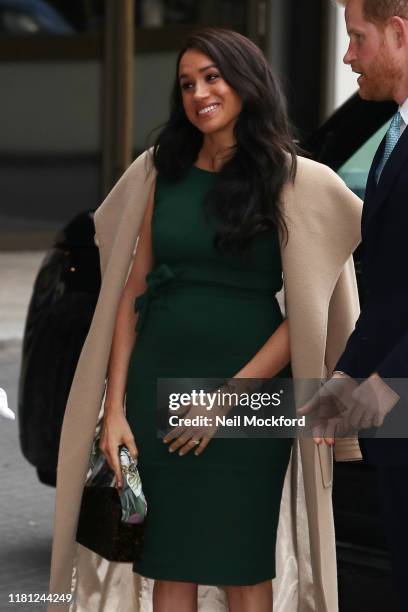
x: 217, y: 399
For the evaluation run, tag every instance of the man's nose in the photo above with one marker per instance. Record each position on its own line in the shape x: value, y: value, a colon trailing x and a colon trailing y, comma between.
x: 349, y: 56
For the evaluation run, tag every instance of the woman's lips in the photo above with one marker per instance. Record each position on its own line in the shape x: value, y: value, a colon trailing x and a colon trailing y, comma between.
x: 212, y: 108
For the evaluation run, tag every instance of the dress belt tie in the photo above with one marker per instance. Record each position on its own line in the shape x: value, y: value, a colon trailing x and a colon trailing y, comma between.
x: 163, y: 276
x: 156, y: 280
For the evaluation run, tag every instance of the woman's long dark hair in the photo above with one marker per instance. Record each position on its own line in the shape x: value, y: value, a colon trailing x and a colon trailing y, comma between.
x: 246, y: 198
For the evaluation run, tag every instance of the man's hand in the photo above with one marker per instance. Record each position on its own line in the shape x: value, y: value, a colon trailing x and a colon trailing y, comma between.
x: 342, y: 407
x: 326, y: 408
x: 372, y: 401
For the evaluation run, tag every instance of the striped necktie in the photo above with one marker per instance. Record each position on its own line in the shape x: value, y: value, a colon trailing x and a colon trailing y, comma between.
x: 391, y: 140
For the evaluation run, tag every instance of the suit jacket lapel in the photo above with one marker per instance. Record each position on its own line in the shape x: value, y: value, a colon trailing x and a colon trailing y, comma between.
x: 371, y: 186
x: 376, y: 194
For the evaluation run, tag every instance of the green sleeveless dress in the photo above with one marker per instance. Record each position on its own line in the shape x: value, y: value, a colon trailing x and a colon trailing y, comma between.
x: 212, y: 518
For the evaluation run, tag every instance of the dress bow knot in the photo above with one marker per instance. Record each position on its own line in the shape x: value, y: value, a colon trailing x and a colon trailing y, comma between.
x: 156, y: 279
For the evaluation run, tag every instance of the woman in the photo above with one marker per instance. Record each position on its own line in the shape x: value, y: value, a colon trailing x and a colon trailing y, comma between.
x: 228, y: 208
x: 226, y: 143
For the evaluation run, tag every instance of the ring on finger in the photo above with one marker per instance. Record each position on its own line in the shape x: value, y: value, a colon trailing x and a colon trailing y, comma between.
x: 195, y: 442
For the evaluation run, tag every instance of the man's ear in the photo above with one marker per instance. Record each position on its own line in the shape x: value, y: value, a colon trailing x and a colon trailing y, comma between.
x: 399, y: 31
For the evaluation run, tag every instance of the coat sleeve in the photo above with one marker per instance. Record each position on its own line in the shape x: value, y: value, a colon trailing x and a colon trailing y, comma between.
x: 394, y: 368
x: 346, y: 357
x: 344, y: 307
x: 349, y: 360
x: 343, y: 311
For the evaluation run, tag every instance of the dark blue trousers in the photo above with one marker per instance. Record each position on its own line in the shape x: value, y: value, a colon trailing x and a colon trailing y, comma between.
x: 393, y: 494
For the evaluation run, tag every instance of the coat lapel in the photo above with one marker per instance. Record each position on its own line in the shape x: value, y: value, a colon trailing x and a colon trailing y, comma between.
x: 376, y: 194
x: 371, y: 186
x: 125, y: 205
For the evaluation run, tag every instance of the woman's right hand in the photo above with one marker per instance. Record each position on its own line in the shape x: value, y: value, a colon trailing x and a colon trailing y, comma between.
x: 116, y: 431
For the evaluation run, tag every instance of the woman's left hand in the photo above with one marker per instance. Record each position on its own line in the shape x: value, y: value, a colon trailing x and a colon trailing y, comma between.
x: 188, y: 437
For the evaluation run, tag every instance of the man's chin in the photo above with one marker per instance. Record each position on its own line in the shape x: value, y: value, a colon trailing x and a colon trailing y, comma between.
x: 373, y: 96
x: 363, y: 94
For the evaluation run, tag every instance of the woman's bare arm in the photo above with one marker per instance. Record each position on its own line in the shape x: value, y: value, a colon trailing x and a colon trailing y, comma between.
x: 124, y: 335
x: 271, y: 358
x: 116, y: 429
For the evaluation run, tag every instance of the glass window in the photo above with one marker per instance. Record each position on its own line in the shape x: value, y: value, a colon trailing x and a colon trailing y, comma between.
x: 154, y: 13
x: 355, y: 171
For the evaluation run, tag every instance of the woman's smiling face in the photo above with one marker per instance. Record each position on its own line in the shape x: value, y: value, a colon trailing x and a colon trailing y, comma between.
x: 209, y: 102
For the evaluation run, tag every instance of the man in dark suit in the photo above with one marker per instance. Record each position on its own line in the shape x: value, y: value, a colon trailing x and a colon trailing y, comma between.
x: 377, y: 350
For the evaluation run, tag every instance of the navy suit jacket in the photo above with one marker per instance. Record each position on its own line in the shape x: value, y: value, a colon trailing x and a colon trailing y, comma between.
x: 379, y: 342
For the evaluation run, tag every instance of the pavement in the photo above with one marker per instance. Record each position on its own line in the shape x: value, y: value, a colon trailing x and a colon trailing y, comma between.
x: 17, y: 274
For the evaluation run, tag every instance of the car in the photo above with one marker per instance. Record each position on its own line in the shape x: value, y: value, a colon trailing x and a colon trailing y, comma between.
x: 60, y: 311
x: 61, y: 308
x: 31, y: 17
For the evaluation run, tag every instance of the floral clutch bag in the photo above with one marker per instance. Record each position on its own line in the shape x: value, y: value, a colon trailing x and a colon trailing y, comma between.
x: 132, y: 499
x: 111, y: 523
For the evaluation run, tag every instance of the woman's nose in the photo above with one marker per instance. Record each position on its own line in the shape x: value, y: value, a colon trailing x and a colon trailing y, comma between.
x: 201, y: 92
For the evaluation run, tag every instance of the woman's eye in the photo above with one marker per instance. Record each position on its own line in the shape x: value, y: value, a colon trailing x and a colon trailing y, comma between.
x: 186, y: 85
x: 212, y: 76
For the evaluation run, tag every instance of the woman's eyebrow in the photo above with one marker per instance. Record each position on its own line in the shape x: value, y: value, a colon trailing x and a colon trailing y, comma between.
x: 199, y: 70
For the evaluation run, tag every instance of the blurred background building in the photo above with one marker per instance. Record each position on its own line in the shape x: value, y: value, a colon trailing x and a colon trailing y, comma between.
x: 75, y: 107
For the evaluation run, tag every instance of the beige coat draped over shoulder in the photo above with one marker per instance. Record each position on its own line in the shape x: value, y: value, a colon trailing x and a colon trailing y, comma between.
x: 323, y: 219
